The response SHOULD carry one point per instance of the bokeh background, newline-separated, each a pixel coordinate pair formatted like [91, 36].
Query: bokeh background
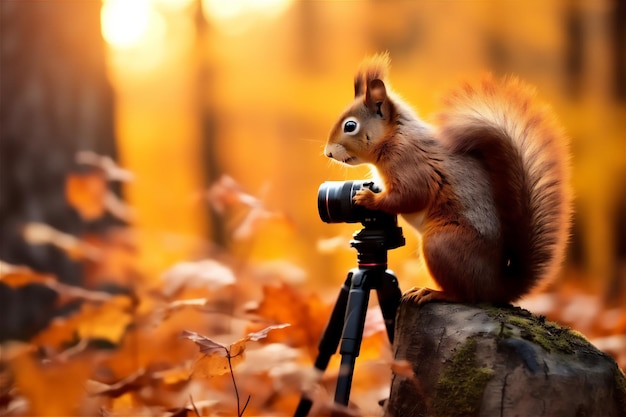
[163, 131]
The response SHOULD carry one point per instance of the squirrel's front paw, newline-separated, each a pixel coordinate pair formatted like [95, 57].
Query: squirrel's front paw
[366, 198]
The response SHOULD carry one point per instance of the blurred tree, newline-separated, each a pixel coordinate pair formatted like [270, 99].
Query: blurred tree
[618, 26]
[616, 289]
[574, 57]
[55, 100]
[595, 70]
[204, 79]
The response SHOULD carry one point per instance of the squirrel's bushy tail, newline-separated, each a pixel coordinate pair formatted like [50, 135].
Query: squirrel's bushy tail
[501, 122]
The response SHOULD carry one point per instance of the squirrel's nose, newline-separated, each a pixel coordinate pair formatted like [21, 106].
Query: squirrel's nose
[329, 154]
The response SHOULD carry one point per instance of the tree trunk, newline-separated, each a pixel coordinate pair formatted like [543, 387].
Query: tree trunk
[55, 100]
[484, 360]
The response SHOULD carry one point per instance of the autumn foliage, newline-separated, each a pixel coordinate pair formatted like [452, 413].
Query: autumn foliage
[217, 335]
[211, 336]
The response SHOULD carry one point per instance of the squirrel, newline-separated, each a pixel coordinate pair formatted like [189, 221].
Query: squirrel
[486, 187]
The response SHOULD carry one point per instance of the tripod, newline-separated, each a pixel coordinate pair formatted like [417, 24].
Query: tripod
[348, 316]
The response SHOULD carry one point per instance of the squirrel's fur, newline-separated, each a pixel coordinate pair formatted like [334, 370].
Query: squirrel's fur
[487, 187]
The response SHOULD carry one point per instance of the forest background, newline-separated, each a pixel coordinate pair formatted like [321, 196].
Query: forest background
[160, 161]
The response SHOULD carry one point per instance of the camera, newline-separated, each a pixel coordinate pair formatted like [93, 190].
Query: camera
[335, 204]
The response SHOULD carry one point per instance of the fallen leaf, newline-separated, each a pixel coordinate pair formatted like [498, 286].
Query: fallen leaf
[207, 346]
[207, 273]
[132, 382]
[12, 349]
[52, 388]
[226, 192]
[249, 225]
[217, 358]
[60, 332]
[106, 321]
[106, 164]
[86, 192]
[333, 244]
[40, 234]
[173, 375]
[18, 276]
[261, 334]
[118, 208]
[307, 314]
[216, 364]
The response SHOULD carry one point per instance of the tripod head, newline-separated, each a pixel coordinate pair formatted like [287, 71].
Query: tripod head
[380, 230]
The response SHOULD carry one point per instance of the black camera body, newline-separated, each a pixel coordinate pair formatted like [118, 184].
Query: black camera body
[335, 204]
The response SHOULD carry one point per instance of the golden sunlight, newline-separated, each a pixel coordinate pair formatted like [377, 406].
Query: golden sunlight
[127, 23]
[229, 11]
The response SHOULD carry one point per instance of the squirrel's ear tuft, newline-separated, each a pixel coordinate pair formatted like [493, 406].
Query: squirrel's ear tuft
[372, 68]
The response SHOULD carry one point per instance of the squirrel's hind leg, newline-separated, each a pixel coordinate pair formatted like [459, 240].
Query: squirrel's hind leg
[465, 264]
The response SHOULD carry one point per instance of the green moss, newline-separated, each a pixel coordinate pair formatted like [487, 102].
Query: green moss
[460, 388]
[549, 335]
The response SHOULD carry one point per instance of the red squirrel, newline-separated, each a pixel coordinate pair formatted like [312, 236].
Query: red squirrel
[486, 187]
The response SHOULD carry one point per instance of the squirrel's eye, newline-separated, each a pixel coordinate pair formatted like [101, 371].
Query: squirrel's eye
[350, 126]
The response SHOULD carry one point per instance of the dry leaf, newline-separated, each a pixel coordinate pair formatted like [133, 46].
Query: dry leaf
[86, 192]
[52, 388]
[227, 192]
[118, 208]
[40, 234]
[279, 270]
[216, 364]
[333, 244]
[217, 358]
[295, 376]
[60, 332]
[107, 321]
[173, 375]
[17, 276]
[267, 358]
[256, 336]
[207, 346]
[132, 382]
[12, 349]
[256, 216]
[106, 164]
[307, 314]
[207, 273]
[179, 304]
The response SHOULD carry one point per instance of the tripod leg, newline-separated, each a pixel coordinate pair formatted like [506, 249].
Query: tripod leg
[389, 295]
[329, 340]
[352, 333]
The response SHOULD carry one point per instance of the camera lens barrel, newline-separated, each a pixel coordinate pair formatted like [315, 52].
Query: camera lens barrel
[380, 232]
[335, 205]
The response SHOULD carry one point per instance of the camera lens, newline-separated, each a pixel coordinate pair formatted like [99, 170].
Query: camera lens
[334, 201]
[335, 205]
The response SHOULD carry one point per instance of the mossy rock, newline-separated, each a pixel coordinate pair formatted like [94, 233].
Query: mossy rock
[485, 360]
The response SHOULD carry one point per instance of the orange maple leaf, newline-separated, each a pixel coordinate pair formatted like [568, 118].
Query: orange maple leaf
[307, 314]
